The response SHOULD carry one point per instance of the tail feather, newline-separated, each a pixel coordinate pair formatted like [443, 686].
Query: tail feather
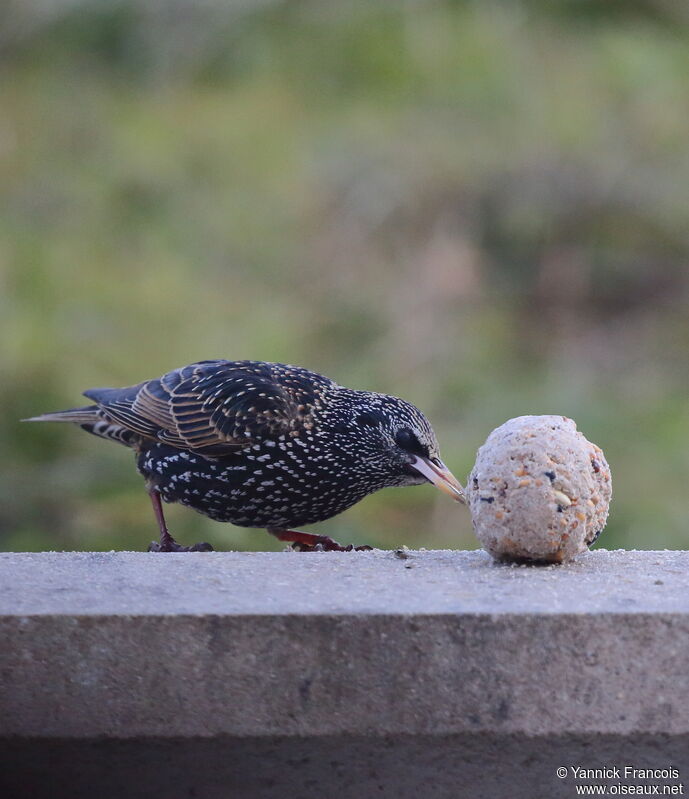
[90, 419]
[86, 415]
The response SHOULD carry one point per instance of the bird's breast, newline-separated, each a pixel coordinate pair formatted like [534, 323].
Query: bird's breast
[284, 483]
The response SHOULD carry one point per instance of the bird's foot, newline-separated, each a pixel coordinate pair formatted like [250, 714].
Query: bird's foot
[328, 546]
[167, 543]
[309, 542]
[173, 546]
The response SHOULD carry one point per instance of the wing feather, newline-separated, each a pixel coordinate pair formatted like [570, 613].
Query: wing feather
[216, 407]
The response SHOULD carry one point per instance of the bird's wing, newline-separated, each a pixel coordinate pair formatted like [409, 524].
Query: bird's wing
[215, 407]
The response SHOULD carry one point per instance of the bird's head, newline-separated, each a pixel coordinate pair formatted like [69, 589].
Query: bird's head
[393, 440]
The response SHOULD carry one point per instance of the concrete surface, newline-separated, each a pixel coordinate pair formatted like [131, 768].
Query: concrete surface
[329, 674]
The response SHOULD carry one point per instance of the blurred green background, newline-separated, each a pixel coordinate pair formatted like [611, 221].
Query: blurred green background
[479, 206]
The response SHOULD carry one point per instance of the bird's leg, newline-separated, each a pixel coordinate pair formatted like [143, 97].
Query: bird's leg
[308, 542]
[167, 542]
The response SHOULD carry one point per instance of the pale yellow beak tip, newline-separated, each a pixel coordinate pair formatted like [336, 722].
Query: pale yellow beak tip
[441, 477]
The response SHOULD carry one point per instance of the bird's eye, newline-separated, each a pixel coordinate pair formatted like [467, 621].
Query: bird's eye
[407, 441]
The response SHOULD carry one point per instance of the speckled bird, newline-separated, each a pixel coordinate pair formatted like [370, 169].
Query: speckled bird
[263, 445]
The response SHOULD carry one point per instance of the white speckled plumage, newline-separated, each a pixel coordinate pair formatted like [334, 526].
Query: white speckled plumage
[262, 444]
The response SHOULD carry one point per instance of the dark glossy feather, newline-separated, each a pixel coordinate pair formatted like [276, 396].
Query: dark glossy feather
[260, 444]
[215, 407]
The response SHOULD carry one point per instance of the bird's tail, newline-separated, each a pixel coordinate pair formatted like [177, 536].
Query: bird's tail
[89, 419]
[85, 415]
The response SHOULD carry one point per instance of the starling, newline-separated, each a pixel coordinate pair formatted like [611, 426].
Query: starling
[263, 445]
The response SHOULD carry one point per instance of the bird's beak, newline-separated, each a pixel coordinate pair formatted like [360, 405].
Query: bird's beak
[440, 476]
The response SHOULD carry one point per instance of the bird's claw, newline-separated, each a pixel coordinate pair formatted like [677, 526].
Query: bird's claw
[325, 544]
[156, 546]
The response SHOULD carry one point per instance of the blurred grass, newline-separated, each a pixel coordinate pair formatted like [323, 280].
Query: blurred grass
[478, 206]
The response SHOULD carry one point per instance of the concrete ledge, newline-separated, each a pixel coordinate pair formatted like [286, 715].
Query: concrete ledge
[439, 659]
